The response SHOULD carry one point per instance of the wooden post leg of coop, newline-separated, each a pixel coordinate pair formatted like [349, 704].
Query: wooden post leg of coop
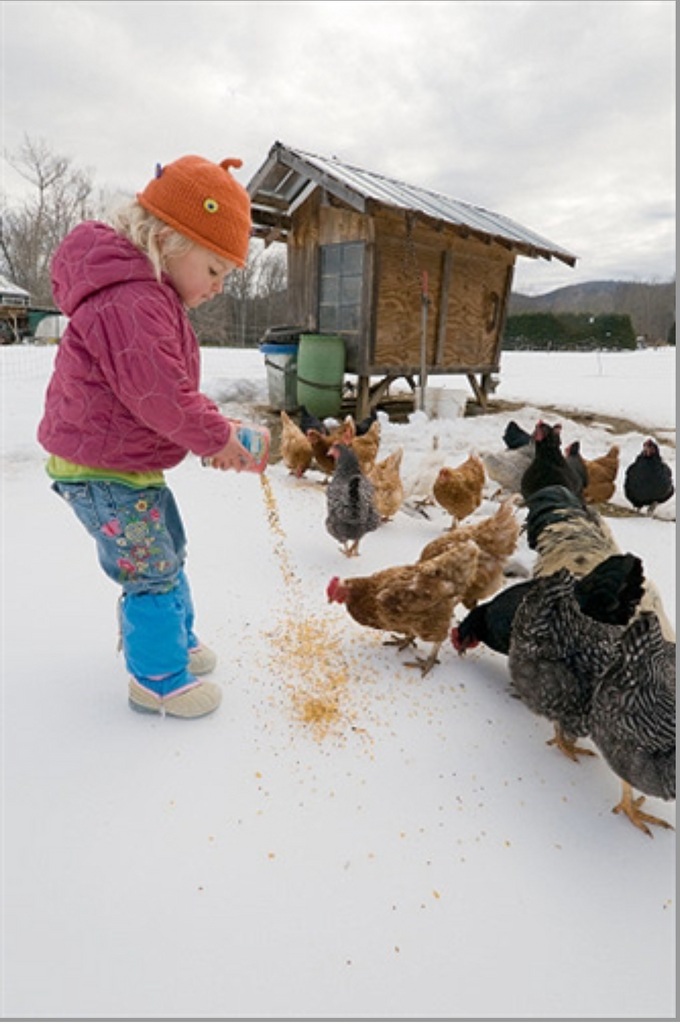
[480, 389]
[363, 405]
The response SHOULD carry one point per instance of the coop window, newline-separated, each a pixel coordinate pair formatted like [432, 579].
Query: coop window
[340, 287]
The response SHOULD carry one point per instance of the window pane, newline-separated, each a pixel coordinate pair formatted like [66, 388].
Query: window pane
[330, 259]
[330, 290]
[352, 258]
[340, 287]
[349, 319]
[350, 290]
[328, 319]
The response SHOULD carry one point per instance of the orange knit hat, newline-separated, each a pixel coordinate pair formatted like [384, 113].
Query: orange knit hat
[203, 201]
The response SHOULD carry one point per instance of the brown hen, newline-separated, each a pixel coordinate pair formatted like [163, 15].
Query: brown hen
[296, 448]
[459, 490]
[322, 443]
[411, 601]
[365, 447]
[496, 537]
[602, 475]
[389, 488]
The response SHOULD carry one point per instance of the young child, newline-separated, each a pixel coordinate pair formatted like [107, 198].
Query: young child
[123, 405]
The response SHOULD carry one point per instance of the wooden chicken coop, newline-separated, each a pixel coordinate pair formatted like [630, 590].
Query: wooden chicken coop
[415, 283]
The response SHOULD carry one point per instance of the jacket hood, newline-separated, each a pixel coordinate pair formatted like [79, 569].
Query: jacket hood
[93, 257]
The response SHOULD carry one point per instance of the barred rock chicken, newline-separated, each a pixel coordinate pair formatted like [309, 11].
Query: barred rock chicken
[496, 537]
[350, 505]
[566, 534]
[611, 592]
[632, 718]
[556, 655]
[549, 465]
[648, 481]
[459, 490]
[411, 602]
[296, 448]
[602, 473]
[389, 488]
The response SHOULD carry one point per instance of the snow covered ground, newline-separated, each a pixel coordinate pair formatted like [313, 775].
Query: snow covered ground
[416, 852]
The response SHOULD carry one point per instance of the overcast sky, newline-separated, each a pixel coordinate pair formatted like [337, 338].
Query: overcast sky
[560, 115]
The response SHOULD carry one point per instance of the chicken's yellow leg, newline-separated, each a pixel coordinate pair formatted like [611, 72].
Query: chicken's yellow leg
[568, 745]
[630, 806]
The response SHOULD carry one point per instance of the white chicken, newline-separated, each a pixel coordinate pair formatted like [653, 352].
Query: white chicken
[419, 484]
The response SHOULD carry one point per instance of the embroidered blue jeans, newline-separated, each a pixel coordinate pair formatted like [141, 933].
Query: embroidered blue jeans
[141, 545]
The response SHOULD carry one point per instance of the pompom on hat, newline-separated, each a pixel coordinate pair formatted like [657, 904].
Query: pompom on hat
[203, 201]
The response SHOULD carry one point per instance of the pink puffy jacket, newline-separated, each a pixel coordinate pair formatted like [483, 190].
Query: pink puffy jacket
[124, 392]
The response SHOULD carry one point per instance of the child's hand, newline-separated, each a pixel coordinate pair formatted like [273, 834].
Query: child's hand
[232, 456]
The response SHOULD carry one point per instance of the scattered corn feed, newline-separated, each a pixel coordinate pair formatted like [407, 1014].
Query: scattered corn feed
[310, 661]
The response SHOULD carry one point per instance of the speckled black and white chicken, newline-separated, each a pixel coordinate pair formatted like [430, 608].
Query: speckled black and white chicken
[351, 512]
[632, 718]
[556, 655]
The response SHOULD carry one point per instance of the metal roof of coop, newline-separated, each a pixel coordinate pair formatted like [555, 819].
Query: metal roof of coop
[289, 176]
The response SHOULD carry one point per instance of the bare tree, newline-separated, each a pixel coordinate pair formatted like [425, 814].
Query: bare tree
[30, 232]
[62, 196]
[254, 298]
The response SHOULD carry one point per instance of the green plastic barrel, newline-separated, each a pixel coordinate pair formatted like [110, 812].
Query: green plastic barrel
[320, 373]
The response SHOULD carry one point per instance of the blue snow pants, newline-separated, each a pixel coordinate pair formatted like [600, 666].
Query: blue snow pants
[141, 544]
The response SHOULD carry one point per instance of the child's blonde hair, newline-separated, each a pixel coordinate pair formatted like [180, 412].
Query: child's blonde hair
[149, 234]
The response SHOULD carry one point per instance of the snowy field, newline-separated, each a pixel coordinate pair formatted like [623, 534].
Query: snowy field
[417, 853]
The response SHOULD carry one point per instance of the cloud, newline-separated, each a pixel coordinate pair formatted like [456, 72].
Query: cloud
[559, 115]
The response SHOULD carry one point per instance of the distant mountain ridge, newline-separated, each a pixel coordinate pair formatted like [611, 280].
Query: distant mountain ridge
[651, 307]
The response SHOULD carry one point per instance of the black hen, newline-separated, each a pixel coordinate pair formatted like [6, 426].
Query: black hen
[548, 466]
[610, 593]
[350, 504]
[648, 481]
[311, 422]
[364, 425]
[632, 718]
[556, 655]
[515, 436]
[490, 623]
[577, 463]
